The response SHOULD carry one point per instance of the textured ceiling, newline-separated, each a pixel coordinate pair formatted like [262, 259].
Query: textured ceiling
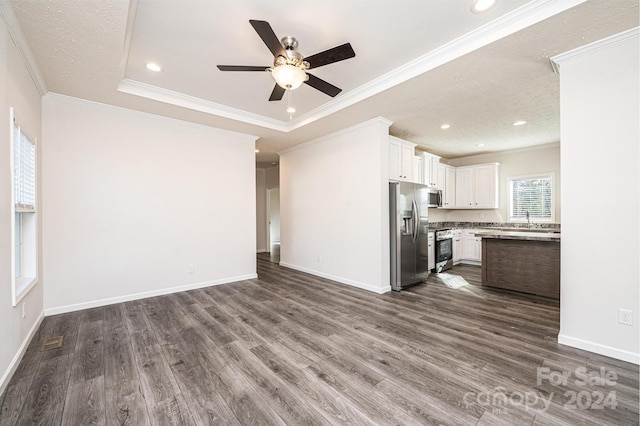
[88, 49]
[189, 38]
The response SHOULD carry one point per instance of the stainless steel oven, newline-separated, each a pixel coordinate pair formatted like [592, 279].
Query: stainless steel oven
[444, 250]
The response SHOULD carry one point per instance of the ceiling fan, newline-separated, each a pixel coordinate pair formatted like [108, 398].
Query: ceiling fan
[290, 67]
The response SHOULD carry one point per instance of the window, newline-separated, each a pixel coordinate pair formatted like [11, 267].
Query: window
[531, 196]
[24, 211]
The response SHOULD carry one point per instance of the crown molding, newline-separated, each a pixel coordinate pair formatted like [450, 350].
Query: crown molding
[16, 34]
[191, 102]
[507, 24]
[529, 14]
[131, 19]
[189, 124]
[557, 60]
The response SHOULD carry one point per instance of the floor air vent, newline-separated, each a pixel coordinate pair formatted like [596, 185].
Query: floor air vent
[53, 343]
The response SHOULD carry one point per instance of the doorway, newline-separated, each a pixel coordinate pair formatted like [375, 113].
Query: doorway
[273, 223]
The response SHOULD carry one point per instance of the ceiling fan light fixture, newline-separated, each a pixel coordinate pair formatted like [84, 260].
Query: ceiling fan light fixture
[288, 76]
[480, 6]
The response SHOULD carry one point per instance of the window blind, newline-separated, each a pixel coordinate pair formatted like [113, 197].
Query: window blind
[531, 195]
[24, 152]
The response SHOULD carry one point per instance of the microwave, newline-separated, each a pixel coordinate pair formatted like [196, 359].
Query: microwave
[434, 197]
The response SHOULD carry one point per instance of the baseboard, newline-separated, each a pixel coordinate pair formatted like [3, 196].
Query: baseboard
[341, 280]
[13, 365]
[598, 348]
[144, 295]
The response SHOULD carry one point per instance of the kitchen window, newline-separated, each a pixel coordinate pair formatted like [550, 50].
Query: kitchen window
[24, 247]
[531, 198]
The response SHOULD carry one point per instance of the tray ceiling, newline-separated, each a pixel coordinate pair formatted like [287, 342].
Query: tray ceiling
[418, 63]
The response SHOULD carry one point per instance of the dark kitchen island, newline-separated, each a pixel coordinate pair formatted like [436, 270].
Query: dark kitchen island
[527, 262]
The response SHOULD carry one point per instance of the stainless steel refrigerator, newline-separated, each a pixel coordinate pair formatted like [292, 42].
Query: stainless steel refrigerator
[408, 223]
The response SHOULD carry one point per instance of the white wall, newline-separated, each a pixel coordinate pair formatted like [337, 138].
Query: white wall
[601, 185]
[520, 162]
[133, 199]
[334, 206]
[17, 90]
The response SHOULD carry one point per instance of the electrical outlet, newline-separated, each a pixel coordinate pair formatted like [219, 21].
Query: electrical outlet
[319, 258]
[191, 269]
[625, 316]
[24, 309]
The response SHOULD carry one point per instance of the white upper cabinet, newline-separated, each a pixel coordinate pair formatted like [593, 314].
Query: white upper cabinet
[464, 187]
[477, 187]
[486, 186]
[418, 169]
[401, 159]
[447, 183]
[430, 165]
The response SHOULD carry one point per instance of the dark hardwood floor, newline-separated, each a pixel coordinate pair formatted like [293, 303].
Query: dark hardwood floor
[291, 348]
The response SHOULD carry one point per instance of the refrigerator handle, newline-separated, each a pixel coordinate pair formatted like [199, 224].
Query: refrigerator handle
[416, 220]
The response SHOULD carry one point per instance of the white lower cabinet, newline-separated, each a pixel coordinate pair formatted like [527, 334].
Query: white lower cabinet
[457, 246]
[431, 250]
[471, 246]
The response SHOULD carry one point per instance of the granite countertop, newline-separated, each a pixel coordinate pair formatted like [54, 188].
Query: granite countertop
[519, 235]
[496, 226]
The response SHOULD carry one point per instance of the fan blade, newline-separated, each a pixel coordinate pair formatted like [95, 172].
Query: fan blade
[323, 86]
[267, 35]
[241, 68]
[336, 54]
[277, 94]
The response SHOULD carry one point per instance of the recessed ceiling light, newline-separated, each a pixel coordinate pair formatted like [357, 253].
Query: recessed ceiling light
[274, 164]
[257, 151]
[479, 6]
[291, 110]
[519, 123]
[445, 126]
[479, 144]
[153, 67]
